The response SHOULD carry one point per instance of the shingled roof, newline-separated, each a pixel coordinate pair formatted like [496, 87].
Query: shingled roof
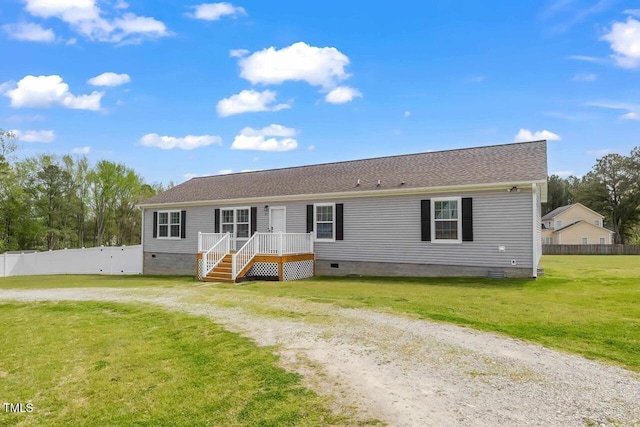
[518, 162]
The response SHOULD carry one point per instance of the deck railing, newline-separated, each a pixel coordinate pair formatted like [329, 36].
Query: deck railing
[215, 246]
[207, 240]
[271, 244]
[244, 255]
[213, 256]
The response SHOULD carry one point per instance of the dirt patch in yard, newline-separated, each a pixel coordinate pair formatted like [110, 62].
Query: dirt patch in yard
[404, 371]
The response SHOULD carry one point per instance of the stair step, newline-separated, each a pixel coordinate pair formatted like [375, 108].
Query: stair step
[217, 279]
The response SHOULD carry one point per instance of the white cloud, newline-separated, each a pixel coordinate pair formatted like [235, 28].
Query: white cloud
[563, 174]
[50, 91]
[188, 142]
[311, 147]
[34, 135]
[81, 150]
[632, 12]
[109, 79]
[225, 171]
[238, 53]
[632, 110]
[215, 11]
[318, 66]
[407, 113]
[624, 39]
[271, 138]
[249, 101]
[342, 94]
[29, 32]
[585, 58]
[585, 77]
[527, 135]
[86, 18]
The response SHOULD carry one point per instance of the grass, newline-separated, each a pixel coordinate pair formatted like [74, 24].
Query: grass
[93, 281]
[96, 364]
[588, 305]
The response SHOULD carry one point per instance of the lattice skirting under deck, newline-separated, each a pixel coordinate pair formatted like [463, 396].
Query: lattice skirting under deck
[263, 269]
[297, 270]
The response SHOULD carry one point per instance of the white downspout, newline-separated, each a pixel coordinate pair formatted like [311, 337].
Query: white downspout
[142, 238]
[536, 239]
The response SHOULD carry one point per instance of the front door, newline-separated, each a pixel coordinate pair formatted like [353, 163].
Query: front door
[277, 219]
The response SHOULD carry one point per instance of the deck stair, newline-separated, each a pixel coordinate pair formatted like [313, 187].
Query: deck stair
[222, 272]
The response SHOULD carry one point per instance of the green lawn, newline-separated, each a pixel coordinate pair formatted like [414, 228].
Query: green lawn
[589, 305]
[99, 364]
[93, 281]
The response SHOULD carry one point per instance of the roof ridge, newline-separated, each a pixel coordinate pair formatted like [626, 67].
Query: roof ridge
[373, 158]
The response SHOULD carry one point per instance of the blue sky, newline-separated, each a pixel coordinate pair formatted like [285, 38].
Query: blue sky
[180, 89]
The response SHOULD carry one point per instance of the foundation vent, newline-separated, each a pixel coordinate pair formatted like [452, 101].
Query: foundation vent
[495, 274]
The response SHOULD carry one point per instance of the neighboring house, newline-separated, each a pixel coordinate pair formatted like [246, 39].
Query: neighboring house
[575, 224]
[465, 212]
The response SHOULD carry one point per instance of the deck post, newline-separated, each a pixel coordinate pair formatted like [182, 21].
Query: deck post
[280, 244]
[199, 241]
[311, 242]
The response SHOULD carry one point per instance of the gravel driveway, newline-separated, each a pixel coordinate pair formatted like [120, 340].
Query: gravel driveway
[400, 370]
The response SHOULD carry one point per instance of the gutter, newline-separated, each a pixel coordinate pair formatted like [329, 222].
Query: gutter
[347, 194]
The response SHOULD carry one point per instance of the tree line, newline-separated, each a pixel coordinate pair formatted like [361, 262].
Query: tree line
[611, 188]
[55, 202]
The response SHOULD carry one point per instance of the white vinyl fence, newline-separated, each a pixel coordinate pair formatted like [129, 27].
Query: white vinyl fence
[102, 260]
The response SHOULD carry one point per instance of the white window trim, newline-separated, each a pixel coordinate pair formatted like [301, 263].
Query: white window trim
[235, 222]
[169, 237]
[585, 241]
[433, 219]
[596, 222]
[315, 223]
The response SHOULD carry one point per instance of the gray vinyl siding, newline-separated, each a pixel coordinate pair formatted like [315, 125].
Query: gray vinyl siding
[198, 219]
[387, 229]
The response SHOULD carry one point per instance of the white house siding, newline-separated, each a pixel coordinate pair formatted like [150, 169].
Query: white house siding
[387, 229]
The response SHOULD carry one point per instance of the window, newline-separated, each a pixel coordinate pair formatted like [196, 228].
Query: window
[584, 240]
[558, 224]
[549, 241]
[235, 220]
[596, 222]
[324, 221]
[169, 224]
[602, 241]
[446, 220]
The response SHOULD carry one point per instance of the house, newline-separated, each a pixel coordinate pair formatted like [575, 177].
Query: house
[574, 224]
[463, 212]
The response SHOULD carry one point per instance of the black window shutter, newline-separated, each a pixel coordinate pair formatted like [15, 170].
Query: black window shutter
[155, 225]
[467, 219]
[254, 220]
[216, 221]
[309, 218]
[425, 220]
[339, 221]
[183, 224]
